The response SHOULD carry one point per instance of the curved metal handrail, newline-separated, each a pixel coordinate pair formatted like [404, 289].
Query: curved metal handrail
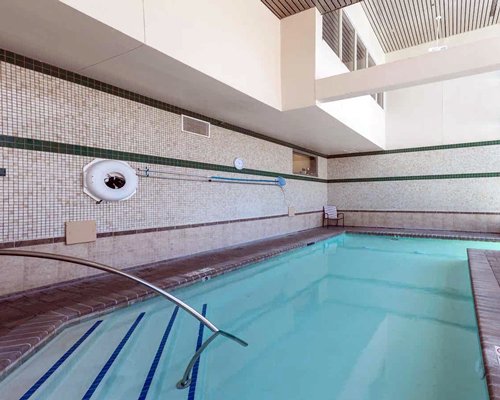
[185, 381]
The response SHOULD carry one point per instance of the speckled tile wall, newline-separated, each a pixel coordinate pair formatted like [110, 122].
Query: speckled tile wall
[474, 159]
[421, 189]
[43, 189]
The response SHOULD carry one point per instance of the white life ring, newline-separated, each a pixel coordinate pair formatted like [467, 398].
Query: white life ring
[109, 180]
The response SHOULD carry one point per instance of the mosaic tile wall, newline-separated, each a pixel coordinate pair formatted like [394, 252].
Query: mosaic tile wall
[42, 189]
[51, 127]
[454, 188]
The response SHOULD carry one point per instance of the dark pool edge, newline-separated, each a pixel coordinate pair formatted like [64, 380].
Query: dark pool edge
[486, 294]
[426, 233]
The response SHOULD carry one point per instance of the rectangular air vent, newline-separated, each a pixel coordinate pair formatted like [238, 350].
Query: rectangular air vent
[196, 126]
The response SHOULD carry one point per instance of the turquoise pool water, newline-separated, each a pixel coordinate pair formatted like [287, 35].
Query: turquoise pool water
[351, 318]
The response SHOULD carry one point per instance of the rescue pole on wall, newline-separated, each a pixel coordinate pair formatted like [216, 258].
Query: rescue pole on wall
[149, 173]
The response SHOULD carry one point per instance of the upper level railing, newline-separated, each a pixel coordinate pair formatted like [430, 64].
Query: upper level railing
[186, 379]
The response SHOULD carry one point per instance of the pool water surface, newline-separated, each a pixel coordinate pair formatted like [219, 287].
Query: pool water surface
[355, 317]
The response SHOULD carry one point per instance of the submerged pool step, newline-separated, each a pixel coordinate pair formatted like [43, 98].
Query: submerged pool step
[199, 342]
[156, 360]
[102, 373]
[59, 362]
[116, 358]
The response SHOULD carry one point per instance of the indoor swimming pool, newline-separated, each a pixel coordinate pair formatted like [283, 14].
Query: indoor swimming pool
[355, 317]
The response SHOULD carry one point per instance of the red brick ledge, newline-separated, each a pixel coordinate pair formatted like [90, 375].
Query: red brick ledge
[484, 267]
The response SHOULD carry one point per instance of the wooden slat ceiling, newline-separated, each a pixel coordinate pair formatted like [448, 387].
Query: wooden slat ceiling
[285, 8]
[400, 24]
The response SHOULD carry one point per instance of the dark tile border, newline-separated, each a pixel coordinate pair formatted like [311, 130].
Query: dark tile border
[34, 242]
[39, 315]
[472, 175]
[486, 292]
[15, 142]
[47, 69]
[382, 231]
[418, 149]
[21, 143]
[422, 212]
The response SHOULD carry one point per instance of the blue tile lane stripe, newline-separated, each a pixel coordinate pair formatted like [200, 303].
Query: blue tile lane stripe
[58, 363]
[156, 360]
[194, 376]
[111, 359]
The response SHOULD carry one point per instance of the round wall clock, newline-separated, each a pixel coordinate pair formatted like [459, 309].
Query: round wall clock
[239, 163]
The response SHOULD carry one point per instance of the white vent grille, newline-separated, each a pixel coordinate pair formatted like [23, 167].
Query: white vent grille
[196, 126]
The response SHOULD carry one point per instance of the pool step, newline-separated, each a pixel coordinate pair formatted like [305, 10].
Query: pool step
[117, 358]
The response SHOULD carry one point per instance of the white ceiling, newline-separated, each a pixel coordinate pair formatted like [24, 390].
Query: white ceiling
[57, 34]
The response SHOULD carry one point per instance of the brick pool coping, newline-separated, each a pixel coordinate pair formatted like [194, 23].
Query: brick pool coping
[30, 319]
[484, 266]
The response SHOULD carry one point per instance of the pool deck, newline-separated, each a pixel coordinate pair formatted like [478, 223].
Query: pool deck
[30, 319]
[484, 268]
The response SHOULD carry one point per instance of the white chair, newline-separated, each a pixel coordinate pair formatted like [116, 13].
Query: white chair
[330, 213]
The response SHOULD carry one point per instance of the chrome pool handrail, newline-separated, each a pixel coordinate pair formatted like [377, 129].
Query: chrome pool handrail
[92, 264]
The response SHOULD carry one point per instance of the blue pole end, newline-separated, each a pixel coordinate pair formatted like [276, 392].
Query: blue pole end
[280, 181]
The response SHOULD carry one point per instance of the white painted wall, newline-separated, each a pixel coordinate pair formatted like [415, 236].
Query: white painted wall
[362, 114]
[372, 125]
[452, 41]
[297, 60]
[129, 19]
[234, 41]
[455, 111]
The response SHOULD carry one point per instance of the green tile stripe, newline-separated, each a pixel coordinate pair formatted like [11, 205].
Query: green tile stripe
[417, 149]
[78, 150]
[419, 177]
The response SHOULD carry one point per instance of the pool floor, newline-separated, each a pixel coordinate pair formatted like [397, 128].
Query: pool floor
[354, 317]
